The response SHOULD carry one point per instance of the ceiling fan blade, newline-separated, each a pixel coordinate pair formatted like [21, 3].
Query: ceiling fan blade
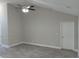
[31, 6]
[32, 9]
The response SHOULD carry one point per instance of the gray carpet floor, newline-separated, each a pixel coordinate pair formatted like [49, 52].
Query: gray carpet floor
[31, 51]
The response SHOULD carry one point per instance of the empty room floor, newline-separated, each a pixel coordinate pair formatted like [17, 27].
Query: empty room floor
[31, 51]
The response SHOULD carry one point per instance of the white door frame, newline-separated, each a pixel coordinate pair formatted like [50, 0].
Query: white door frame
[61, 40]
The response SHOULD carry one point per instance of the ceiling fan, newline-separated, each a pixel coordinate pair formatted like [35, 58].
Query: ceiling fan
[26, 9]
[31, 7]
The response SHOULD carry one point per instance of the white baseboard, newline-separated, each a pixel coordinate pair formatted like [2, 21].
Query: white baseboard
[43, 45]
[12, 45]
[36, 44]
[49, 46]
[5, 46]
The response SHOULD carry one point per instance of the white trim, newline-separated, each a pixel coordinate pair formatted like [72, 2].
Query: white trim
[43, 45]
[61, 34]
[15, 44]
[5, 46]
[12, 45]
[36, 44]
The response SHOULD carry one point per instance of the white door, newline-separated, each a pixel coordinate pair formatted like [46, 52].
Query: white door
[67, 35]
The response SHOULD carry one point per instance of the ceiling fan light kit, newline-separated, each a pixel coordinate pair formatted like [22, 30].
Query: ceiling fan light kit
[26, 9]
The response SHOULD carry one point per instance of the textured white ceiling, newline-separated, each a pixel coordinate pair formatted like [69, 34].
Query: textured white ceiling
[66, 6]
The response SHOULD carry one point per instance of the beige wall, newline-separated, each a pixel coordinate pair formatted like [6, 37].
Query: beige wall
[0, 20]
[43, 26]
[14, 25]
[78, 35]
[11, 27]
[4, 24]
